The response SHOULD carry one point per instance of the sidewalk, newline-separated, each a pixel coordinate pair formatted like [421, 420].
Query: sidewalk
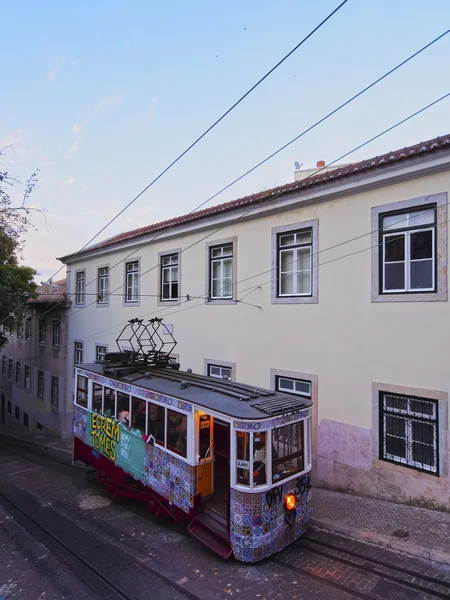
[427, 532]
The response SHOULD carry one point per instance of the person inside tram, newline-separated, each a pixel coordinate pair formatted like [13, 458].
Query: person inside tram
[123, 412]
[176, 432]
[138, 420]
[156, 422]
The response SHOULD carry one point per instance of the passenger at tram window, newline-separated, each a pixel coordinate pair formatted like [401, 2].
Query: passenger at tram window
[176, 432]
[109, 406]
[156, 420]
[97, 398]
[124, 410]
[138, 414]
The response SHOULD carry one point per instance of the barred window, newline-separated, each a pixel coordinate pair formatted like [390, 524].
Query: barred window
[409, 431]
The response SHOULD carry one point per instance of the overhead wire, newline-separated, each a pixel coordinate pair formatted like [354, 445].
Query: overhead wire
[197, 140]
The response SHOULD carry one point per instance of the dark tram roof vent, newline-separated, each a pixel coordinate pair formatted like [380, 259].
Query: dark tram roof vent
[189, 371]
[184, 384]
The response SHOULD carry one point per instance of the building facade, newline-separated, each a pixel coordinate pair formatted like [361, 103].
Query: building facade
[33, 382]
[334, 287]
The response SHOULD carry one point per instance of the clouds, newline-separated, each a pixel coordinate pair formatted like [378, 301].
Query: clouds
[66, 182]
[51, 75]
[111, 102]
[76, 130]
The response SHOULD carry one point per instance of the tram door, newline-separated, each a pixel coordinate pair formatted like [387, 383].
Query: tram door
[205, 469]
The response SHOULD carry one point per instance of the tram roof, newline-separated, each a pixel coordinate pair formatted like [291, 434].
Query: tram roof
[230, 398]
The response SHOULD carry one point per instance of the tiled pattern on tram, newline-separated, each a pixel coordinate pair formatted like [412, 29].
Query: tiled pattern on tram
[79, 423]
[260, 525]
[170, 477]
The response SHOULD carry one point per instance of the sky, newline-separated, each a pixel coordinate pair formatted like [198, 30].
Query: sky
[101, 96]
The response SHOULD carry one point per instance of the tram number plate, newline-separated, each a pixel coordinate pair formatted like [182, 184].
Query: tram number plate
[243, 464]
[204, 424]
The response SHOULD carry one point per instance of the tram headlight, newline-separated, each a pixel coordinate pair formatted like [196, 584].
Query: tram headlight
[290, 501]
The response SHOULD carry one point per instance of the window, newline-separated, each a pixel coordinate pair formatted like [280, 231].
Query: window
[220, 372]
[103, 285]
[100, 352]
[287, 451]
[56, 333]
[132, 281]
[9, 407]
[78, 353]
[40, 385]
[55, 391]
[10, 368]
[409, 431]
[295, 263]
[221, 272]
[19, 330]
[17, 412]
[18, 372]
[26, 377]
[3, 365]
[138, 415]
[41, 331]
[80, 287]
[299, 387]
[28, 330]
[176, 432]
[156, 422]
[251, 458]
[169, 277]
[408, 251]
[82, 391]
[25, 419]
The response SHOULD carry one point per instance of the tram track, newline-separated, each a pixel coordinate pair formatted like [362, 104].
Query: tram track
[363, 577]
[105, 569]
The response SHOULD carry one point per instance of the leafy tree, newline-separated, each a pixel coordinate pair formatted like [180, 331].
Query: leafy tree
[16, 281]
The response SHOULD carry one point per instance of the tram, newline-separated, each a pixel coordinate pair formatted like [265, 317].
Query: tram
[230, 460]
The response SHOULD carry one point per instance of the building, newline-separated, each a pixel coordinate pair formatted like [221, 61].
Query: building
[33, 383]
[334, 287]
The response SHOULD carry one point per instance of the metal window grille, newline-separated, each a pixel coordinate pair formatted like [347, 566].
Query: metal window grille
[79, 289]
[409, 431]
[132, 281]
[408, 251]
[169, 277]
[56, 333]
[78, 353]
[41, 331]
[295, 263]
[55, 391]
[103, 285]
[40, 390]
[221, 270]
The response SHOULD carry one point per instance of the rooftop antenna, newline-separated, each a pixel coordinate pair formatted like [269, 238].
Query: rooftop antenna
[298, 166]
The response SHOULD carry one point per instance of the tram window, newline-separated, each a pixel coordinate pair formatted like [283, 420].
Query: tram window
[82, 391]
[243, 458]
[287, 451]
[156, 422]
[123, 408]
[97, 398]
[109, 407]
[176, 432]
[259, 458]
[138, 414]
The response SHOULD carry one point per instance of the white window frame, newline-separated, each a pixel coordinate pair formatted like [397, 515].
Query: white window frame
[103, 286]
[80, 287]
[56, 333]
[131, 278]
[405, 231]
[100, 351]
[298, 298]
[78, 351]
[55, 396]
[214, 245]
[40, 384]
[223, 256]
[295, 249]
[169, 268]
[220, 374]
[280, 388]
[440, 291]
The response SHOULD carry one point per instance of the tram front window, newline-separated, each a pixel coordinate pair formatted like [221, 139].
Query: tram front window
[287, 451]
[138, 414]
[176, 432]
[243, 458]
[82, 391]
[259, 458]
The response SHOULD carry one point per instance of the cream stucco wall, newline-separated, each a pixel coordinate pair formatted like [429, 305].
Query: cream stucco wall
[344, 339]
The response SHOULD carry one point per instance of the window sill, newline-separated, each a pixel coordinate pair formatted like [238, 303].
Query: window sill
[295, 300]
[406, 470]
[411, 297]
[220, 301]
[174, 302]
